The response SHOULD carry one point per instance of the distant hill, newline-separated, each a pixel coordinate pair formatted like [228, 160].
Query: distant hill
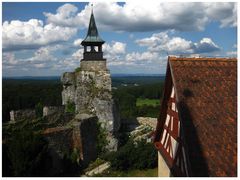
[136, 80]
[136, 75]
[117, 79]
[33, 77]
[58, 77]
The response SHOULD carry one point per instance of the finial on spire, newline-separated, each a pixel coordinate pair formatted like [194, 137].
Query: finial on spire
[92, 7]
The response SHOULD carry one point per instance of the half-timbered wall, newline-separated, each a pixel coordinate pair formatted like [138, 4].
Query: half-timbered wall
[169, 145]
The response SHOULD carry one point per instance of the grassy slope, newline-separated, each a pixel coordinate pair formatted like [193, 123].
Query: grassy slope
[131, 173]
[148, 102]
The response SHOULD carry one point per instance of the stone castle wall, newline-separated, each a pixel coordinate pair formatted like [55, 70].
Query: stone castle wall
[50, 110]
[24, 114]
[80, 136]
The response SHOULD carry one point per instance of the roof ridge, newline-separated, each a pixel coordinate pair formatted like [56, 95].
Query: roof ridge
[173, 58]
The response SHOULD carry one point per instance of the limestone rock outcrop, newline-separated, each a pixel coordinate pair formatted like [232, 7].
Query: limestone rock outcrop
[74, 137]
[90, 92]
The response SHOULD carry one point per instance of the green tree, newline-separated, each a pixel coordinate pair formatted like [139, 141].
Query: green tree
[39, 110]
[70, 107]
[101, 139]
[26, 151]
[140, 155]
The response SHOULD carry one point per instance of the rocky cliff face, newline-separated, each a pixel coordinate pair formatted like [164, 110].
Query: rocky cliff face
[73, 137]
[90, 91]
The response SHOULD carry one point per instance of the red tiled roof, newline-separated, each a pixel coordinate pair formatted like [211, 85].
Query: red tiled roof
[206, 90]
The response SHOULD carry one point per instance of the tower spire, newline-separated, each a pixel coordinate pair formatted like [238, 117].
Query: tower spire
[92, 34]
[92, 40]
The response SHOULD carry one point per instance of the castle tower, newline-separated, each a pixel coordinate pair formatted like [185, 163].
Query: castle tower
[90, 87]
[93, 56]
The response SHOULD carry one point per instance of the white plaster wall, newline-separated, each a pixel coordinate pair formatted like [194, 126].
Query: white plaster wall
[163, 170]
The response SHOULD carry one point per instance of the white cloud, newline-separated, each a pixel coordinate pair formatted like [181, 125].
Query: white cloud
[43, 55]
[77, 43]
[114, 48]
[232, 53]
[9, 59]
[147, 16]
[206, 45]
[131, 16]
[78, 54]
[66, 15]
[224, 12]
[41, 58]
[145, 56]
[163, 43]
[60, 27]
[42, 62]
[17, 35]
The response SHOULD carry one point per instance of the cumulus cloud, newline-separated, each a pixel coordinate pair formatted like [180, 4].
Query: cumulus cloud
[118, 59]
[66, 15]
[162, 42]
[225, 13]
[114, 48]
[41, 58]
[206, 45]
[145, 16]
[77, 42]
[78, 54]
[18, 35]
[130, 16]
[46, 37]
[145, 56]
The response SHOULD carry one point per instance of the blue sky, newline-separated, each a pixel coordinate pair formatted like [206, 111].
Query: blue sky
[43, 39]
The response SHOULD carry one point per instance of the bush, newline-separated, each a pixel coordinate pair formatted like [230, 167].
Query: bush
[134, 156]
[70, 107]
[26, 152]
[126, 103]
[39, 110]
[148, 111]
[71, 164]
[101, 139]
[78, 69]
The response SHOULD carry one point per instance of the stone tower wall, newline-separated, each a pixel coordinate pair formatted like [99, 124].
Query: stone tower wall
[94, 65]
